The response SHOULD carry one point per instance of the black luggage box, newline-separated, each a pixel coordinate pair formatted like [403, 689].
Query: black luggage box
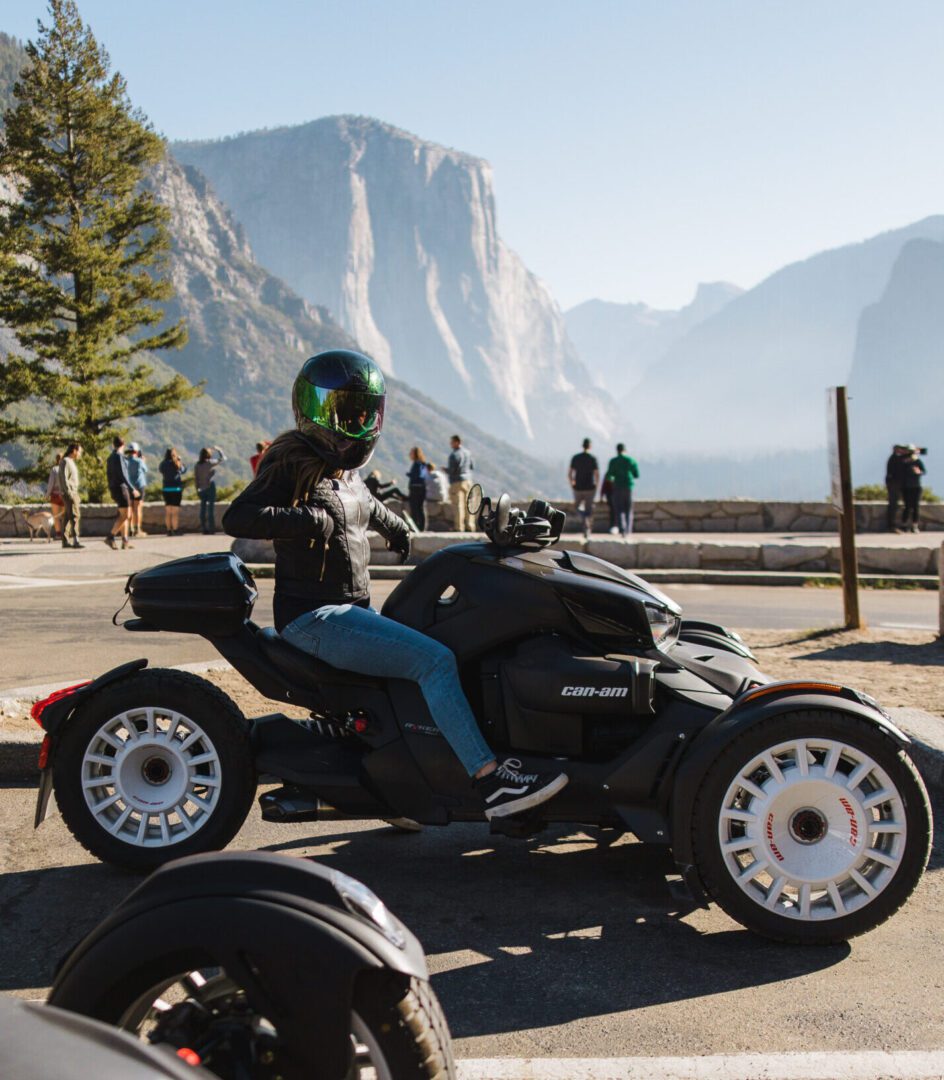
[205, 594]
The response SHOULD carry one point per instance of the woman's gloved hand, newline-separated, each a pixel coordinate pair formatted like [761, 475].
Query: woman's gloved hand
[323, 522]
[401, 545]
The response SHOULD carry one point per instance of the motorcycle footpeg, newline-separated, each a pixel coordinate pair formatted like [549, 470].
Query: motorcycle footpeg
[287, 804]
[517, 826]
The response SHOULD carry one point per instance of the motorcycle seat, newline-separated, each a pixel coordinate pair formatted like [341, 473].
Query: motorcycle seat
[301, 667]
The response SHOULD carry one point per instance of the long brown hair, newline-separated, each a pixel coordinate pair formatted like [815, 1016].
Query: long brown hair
[417, 454]
[291, 450]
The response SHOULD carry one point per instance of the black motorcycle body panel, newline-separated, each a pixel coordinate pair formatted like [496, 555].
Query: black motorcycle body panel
[276, 924]
[39, 1042]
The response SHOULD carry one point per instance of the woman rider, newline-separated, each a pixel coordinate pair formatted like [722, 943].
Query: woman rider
[309, 498]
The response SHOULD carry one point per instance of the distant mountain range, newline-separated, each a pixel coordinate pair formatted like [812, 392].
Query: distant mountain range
[619, 343]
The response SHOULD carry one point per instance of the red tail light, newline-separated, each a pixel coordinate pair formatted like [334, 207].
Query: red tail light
[57, 695]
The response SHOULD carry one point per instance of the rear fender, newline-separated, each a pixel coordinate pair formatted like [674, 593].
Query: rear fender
[277, 924]
[55, 714]
[743, 714]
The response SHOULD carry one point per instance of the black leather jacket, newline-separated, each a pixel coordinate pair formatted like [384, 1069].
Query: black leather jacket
[321, 547]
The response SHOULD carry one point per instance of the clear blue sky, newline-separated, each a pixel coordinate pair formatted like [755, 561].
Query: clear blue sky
[638, 147]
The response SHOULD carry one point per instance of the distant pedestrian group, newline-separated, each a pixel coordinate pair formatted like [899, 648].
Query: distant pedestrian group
[428, 484]
[903, 472]
[622, 472]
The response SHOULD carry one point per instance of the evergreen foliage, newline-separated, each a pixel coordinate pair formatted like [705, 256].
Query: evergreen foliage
[12, 60]
[82, 249]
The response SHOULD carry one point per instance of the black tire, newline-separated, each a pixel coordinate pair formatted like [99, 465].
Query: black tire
[407, 1023]
[785, 922]
[398, 1019]
[225, 732]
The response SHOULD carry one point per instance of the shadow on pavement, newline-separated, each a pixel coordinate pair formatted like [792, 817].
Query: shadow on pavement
[555, 929]
[929, 653]
[520, 935]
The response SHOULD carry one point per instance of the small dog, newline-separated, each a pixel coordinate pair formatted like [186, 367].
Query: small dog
[38, 522]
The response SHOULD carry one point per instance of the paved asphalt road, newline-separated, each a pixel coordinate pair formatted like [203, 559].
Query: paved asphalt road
[547, 948]
[52, 634]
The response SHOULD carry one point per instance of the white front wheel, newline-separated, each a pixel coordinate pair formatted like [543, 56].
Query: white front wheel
[812, 827]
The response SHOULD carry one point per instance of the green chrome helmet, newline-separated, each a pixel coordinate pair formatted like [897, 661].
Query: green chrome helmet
[338, 400]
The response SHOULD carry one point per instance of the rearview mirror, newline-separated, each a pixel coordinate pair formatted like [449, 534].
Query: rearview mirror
[473, 501]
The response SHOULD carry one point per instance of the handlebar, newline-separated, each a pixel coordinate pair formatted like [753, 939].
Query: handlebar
[507, 526]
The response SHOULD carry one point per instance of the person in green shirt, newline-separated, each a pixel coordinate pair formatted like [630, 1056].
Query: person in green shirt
[622, 472]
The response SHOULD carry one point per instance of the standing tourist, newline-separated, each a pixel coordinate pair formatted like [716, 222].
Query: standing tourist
[138, 471]
[122, 491]
[417, 477]
[69, 487]
[912, 469]
[203, 473]
[894, 474]
[584, 477]
[437, 486]
[261, 448]
[622, 472]
[172, 472]
[54, 495]
[459, 468]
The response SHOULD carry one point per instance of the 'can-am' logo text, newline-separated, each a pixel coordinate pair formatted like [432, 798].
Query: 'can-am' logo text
[595, 691]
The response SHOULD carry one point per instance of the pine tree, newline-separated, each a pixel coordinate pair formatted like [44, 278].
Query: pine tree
[82, 249]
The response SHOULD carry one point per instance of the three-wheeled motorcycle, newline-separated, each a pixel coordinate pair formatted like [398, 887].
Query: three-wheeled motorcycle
[793, 805]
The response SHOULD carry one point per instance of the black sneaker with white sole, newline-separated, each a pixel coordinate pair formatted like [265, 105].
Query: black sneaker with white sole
[508, 790]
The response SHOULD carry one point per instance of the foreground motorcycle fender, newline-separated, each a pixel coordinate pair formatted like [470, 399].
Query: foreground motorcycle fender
[283, 927]
[774, 700]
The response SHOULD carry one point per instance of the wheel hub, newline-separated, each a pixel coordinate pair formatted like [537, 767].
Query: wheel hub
[808, 826]
[156, 770]
[151, 777]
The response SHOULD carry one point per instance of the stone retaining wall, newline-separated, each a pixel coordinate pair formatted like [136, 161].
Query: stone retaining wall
[650, 516]
[692, 554]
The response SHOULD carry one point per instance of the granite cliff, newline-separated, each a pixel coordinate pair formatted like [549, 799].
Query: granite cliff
[398, 238]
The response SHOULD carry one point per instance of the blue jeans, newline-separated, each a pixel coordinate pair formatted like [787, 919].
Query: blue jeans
[360, 639]
[623, 509]
[207, 505]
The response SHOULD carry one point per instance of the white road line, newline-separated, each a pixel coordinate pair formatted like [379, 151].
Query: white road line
[865, 1065]
[13, 581]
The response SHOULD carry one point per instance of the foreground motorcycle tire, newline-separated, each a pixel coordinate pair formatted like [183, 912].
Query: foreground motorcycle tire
[398, 1030]
[154, 767]
[812, 827]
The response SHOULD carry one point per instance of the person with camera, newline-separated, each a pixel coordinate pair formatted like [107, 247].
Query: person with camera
[911, 470]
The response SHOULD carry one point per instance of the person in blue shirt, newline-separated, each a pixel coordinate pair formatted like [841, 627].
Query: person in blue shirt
[417, 478]
[138, 472]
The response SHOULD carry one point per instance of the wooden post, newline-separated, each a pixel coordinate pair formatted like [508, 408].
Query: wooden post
[940, 570]
[842, 499]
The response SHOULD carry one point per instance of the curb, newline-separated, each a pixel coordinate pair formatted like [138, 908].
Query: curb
[261, 571]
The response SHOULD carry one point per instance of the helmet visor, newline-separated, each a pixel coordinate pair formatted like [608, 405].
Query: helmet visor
[353, 413]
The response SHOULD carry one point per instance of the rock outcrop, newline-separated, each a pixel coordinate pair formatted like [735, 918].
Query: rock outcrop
[897, 384]
[398, 238]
